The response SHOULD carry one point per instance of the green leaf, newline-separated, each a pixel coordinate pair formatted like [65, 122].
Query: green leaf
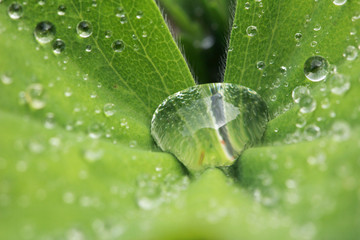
[71, 170]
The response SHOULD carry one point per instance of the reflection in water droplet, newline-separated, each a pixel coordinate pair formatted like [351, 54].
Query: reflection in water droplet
[260, 65]
[15, 11]
[339, 2]
[44, 32]
[316, 68]
[118, 46]
[209, 125]
[251, 31]
[58, 46]
[34, 96]
[298, 36]
[61, 10]
[84, 29]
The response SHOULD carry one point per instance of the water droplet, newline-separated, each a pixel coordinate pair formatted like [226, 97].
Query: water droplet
[209, 125]
[350, 53]
[109, 109]
[339, 2]
[93, 154]
[34, 96]
[139, 14]
[298, 36]
[108, 34]
[339, 84]
[311, 132]
[95, 131]
[84, 29]
[118, 46]
[49, 121]
[15, 11]
[316, 68]
[247, 5]
[58, 46]
[61, 10]
[88, 48]
[6, 80]
[298, 92]
[317, 27]
[251, 31]
[260, 65]
[41, 2]
[341, 131]
[307, 104]
[313, 43]
[44, 32]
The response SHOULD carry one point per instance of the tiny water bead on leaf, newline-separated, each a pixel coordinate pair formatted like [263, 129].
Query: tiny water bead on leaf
[209, 125]
[84, 29]
[34, 96]
[339, 2]
[58, 46]
[316, 68]
[44, 32]
[251, 31]
[118, 46]
[15, 11]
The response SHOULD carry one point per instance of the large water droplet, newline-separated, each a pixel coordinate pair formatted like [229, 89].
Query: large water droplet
[209, 125]
[15, 11]
[44, 32]
[84, 29]
[316, 68]
[118, 46]
[251, 31]
[58, 46]
[34, 96]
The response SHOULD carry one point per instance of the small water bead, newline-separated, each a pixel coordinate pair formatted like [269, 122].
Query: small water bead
[339, 2]
[84, 29]
[61, 10]
[341, 131]
[311, 132]
[298, 36]
[299, 92]
[41, 2]
[6, 80]
[307, 104]
[88, 48]
[95, 131]
[118, 46]
[108, 34]
[313, 43]
[58, 46]
[15, 11]
[317, 27]
[350, 53]
[139, 14]
[316, 68]
[339, 84]
[109, 109]
[209, 125]
[247, 5]
[260, 65]
[34, 96]
[251, 31]
[44, 32]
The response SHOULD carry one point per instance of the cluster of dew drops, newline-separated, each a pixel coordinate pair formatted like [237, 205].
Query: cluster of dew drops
[318, 70]
[45, 33]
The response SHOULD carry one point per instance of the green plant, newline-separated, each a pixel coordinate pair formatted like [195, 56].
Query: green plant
[77, 159]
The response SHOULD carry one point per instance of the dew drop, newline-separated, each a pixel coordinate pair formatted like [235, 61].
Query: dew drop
[247, 6]
[298, 36]
[339, 2]
[109, 109]
[44, 32]
[341, 131]
[251, 31]
[209, 125]
[6, 80]
[350, 53]
[108, 34]
[95, 131]
[339, 84]
[317, 27]
[311, 132]
[34, 96]
[299, 92]
[61, 10]
[15, 11]
[307, 104]
[58, 46]
[316, 68]
[139, 14]
[118, 46]
[260, 65]
[88, 48]
[84, 29]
